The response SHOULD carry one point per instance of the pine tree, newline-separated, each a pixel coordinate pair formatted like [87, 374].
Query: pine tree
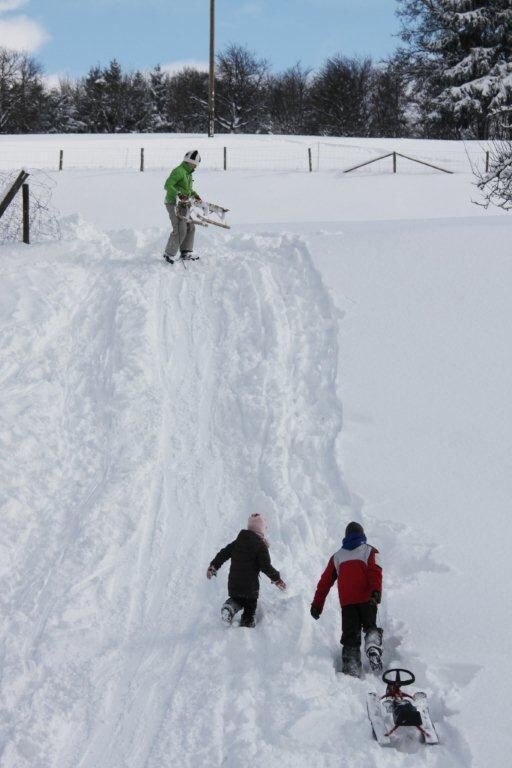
[139, 108]
[91, 101]
[159, 95]
[104, 103]
[62, 113]
[459, 55]
[117, 105]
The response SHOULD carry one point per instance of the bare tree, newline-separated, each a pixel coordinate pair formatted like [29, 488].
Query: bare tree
[496, 182]
[22, 95]
[341, 97]
[242, 91]
[289, 100]
[388, 112]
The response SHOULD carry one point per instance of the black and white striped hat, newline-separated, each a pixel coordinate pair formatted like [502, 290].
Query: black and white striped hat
[193, 157]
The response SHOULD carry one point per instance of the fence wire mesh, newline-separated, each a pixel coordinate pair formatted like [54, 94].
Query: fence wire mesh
[267, 153]
[44, 225]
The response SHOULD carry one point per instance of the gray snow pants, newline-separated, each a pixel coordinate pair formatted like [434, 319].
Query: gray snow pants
[182, 235]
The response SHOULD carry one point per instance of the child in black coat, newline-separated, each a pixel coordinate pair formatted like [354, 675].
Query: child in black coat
[249, 555]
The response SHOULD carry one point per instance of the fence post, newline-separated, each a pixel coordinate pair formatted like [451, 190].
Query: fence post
[394, 162]
[142, 159]
[310, 159]
[61, 159]
[26, 213]
[225, 158]
[487, 161]
[13, 191]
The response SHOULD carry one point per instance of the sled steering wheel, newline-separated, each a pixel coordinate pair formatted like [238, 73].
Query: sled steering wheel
[399, 680]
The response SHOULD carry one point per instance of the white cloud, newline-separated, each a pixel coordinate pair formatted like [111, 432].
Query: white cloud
[177, 66]
[54, 79]
[22, 34]
[11, 5]
[19, 33]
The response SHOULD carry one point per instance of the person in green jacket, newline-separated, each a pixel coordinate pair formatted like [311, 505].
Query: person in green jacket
[179, 188]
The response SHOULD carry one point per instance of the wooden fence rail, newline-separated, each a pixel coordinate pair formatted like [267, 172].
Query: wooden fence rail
[394, 155]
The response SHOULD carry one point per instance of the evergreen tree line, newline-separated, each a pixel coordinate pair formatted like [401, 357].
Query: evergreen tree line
[450, 78]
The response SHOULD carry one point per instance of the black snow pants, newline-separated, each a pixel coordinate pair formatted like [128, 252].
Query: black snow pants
[248, 604]
[353, 619]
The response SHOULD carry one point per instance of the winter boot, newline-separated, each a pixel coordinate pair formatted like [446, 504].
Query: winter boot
[247, 621]
[229, 610]
[168, 258]
[189, 256]
[375, 659]
[373, 648]
[351, 661]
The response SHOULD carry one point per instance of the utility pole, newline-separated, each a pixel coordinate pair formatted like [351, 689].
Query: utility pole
[211, 86]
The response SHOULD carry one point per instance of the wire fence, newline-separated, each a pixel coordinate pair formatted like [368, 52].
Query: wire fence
[267, 155]
[28, 215]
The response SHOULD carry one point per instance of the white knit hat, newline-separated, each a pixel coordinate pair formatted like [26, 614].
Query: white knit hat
[257, 523]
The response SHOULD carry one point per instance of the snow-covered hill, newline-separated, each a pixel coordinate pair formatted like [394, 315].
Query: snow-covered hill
[147, 410]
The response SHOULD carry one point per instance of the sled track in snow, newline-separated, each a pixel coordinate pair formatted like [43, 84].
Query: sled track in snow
[179, 403]
[247, 355]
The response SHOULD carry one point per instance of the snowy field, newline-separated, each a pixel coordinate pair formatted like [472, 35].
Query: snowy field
[343, 353]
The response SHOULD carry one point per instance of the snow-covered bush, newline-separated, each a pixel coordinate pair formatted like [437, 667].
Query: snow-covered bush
[496, 182]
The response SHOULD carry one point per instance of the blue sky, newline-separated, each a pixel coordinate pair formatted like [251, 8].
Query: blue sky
[68, 36]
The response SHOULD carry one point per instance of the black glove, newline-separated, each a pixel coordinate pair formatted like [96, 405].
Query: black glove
[212, 571]
[315, 611]
[375, 598]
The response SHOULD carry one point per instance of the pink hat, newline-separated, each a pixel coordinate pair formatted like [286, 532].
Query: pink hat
[257, 524]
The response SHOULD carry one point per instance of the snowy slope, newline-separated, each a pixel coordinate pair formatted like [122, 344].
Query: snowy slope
[147, 413]
[154, 414]
[426, 364]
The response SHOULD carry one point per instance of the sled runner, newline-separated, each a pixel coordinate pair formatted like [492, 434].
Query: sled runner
[396, 709]
[202, 213]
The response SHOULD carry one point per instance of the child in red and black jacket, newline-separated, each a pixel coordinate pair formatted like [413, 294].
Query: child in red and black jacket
[354, 566]
[249, 555]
